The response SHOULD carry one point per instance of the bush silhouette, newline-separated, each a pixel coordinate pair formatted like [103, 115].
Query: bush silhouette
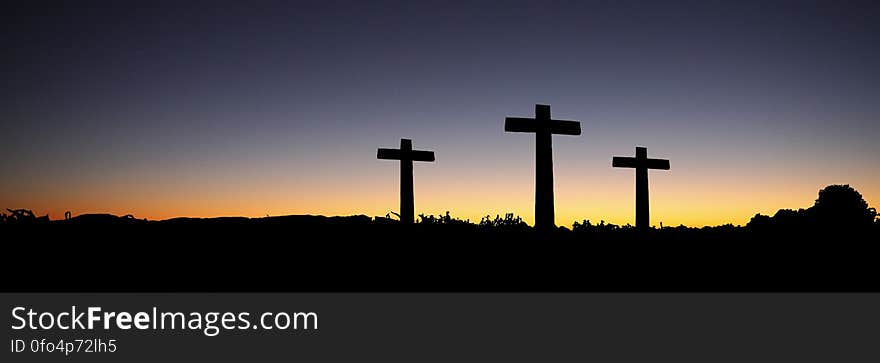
[838, 209]
[443, 219]
[587, 226]
[842, 206]
[509, 220]
[22, 216]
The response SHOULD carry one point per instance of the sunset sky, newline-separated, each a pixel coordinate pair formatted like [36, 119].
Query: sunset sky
[270, 108]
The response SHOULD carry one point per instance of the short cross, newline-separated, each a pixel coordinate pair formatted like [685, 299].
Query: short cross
[641, 163]
[406, 155]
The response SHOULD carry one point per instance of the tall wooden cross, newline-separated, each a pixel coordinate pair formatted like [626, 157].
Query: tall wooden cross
[641, 163]
[406, 155]
[543, 127]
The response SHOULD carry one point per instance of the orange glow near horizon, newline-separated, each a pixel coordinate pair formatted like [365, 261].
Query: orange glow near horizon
[676, 197]
[707, 185]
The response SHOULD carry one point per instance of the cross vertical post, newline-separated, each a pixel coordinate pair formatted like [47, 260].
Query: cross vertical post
[643, 219]
[544, 202]
[407, 201]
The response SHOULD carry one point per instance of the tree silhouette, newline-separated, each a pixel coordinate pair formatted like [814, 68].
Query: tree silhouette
[842, 206]
[22, 216]
[839, 209]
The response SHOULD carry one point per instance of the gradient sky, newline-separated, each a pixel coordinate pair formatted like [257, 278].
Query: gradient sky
[255, 108]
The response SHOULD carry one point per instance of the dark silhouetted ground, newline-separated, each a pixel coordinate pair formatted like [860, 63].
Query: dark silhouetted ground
[832, 246]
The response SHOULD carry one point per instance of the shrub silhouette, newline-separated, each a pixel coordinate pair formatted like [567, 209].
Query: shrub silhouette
[838, 209]
[842, 206]
[509, 221]
[587, 226]
[22, 216]
[443, 219]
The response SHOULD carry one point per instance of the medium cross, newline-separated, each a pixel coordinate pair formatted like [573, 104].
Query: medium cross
[543, 127]
[406, 155]
[641, 163]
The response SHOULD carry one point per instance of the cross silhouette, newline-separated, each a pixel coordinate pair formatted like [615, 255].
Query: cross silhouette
[543, 127]
[641, 163]
[406, 155]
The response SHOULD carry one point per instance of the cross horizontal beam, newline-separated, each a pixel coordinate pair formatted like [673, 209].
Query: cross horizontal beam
[629, 162]
[397, 154]
[558, 127]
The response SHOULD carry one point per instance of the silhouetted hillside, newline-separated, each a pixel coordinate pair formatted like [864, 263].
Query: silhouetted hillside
[829, 246]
